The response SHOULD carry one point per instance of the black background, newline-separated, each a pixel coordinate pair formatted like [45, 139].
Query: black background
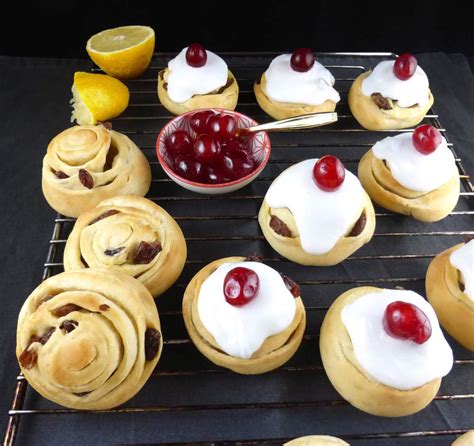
[61, 29]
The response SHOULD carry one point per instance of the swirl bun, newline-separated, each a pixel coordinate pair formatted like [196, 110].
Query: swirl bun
[87, 164]
[88, 339]
[132, 235]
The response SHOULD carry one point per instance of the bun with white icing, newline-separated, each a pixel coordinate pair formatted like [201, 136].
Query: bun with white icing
[401, 178]
[284, 92]
[309, 225]
[375, 359]
[380, 100]
[450, 289]
[316, 440]
[197, 79]
[256, 334]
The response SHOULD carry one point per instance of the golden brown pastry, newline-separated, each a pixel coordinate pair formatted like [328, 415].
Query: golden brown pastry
[201, 80]
[466, 439]
[251, 337]
[373, 367]
[316, 440]
[89, 339]
[449, 291]
[330, 225]
[380, 100]
[87, 164]
[402, 180]
[129, 234]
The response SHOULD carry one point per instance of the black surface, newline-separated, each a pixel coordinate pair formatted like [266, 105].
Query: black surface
[34, 107]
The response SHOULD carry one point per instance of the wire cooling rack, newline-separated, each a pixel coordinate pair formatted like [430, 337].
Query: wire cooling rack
[188, 400]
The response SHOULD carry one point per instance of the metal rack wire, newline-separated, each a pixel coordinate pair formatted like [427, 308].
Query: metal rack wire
[232, 228]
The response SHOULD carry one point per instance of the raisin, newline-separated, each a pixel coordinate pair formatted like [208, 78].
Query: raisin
[86, 179]
[69, 325]
[114, 252]
[106, 124]
[103, 307]
[152, 343]
[461, 286]
[292, 286]
[66, 309]
[380, 101]
[45, 299]
[146, 252]
[279, 227]
[82, 393]
[104, 215]
[254, 258]
[28, 359]
[358, 226]
[46, 335]
[60, 175]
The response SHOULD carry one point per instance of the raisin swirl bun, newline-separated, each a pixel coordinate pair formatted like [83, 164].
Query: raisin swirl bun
[316, 440]
[89, 339]
[87, 164]
[252, 338]
[129, 234]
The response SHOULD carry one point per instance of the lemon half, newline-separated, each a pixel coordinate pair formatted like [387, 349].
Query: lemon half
[97, 97]
[123, 52]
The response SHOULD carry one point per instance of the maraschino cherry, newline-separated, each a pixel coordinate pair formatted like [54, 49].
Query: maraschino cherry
[222, 126]
[179, 143]
[206, 148]
[405, 66]
[329, 173]
[240, 286]
[302, 60]
[403, 320]
[199, 121]
[426, 139]
[196, 55]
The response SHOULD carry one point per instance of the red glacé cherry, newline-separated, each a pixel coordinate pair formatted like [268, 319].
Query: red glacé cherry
[206, 148]
[329, 173]
[240, 286]
[190, 168]
[199, 121]
[222, 126]
[405, 66]
[302, 60]
[179, 143]
[403, 320]
[426, 138]
[196, 55]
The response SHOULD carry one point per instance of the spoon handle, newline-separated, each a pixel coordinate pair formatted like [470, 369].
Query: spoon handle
[297, 123]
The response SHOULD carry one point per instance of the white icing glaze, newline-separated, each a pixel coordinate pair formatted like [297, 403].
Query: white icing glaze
[240, 331]
[185, 81]
[463, 260]
[398, 363]
[409, 92]
[312, 87]
[322, 218]
[412, 169]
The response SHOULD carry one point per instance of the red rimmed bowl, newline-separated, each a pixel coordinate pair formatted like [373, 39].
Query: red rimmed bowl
[258, 145]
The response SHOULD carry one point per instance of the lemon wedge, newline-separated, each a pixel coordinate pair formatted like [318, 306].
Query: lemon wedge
[97, 97]
[123, 52]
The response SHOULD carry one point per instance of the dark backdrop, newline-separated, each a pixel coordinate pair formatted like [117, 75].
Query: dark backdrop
[62, 28]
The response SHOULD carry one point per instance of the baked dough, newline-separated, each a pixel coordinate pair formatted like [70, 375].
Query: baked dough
[370, 116]
[225, 97]
[350, 380]
[454, 309]
[89, 339]
[316, 440]
[379, 183]
[284, 110]
[113, 162]
[290, 247]
[112, 242]
[276, 349]
[466, 439]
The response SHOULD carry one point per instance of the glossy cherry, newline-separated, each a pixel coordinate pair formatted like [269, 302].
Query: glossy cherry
[199, 121]
[196, 55]
[405, 66]
[302, 60]
[179, 143]
[206, 148]
[426, 139]
[222, 126]
[240, 286]
[403, 320]
[190, 168]
[329, 173]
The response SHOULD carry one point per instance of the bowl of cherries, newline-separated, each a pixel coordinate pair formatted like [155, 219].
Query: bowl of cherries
[204, 151]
